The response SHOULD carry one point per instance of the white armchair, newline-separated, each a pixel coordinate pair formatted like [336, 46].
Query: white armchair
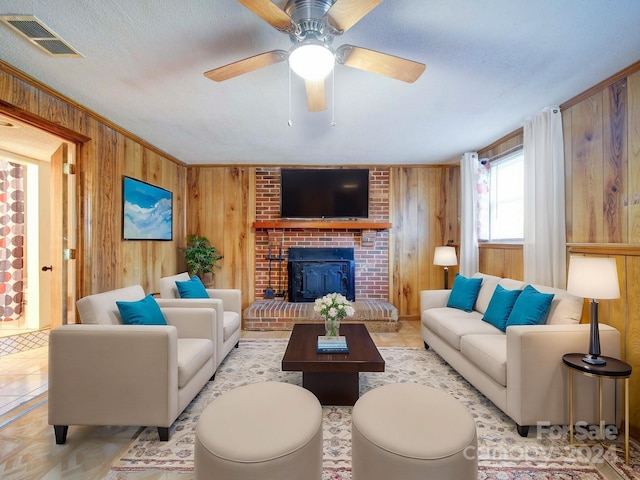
[226, 301]
[102, 372]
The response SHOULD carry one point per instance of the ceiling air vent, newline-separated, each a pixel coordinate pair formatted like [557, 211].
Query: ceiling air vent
[40, 35]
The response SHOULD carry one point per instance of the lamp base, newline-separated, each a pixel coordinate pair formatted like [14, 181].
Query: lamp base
[594, 360]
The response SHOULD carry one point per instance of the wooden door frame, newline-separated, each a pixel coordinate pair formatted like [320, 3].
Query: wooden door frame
[69, 136]
[34, 120]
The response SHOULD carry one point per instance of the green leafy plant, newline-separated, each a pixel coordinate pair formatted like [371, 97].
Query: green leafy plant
[201, 257]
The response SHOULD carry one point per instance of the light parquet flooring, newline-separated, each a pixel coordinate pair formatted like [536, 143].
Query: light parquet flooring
[27, 445]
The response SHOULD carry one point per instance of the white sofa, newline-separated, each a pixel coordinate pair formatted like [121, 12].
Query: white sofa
[226, 301]
[102, 372]
[521, 371]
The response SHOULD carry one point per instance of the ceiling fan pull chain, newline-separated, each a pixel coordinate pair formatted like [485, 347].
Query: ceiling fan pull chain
[333, 97]
[290, 121]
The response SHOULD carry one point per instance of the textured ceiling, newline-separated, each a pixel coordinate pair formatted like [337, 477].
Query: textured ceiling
[490, 65]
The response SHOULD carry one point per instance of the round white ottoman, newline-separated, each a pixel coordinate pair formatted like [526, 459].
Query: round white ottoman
[413, 432]
[260, 431]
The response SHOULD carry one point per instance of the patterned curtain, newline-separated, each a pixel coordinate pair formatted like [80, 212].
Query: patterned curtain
[11, 240]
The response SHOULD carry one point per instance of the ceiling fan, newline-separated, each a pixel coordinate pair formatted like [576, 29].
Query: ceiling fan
[311, 26]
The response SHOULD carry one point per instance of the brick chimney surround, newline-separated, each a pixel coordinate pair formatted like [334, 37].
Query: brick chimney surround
[370, 247]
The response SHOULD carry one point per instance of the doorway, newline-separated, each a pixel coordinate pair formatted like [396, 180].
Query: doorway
[40, 156]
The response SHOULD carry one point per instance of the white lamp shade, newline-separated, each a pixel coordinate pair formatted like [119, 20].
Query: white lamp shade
[445, 256]
[593, 277]
[311, 61]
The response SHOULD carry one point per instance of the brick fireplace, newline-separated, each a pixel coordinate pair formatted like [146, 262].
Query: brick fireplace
[370, 246]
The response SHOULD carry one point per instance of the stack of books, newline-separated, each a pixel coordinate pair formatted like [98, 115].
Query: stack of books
[332, 344]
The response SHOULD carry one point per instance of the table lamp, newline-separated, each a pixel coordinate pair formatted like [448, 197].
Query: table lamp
[594, 278]
[445, 257]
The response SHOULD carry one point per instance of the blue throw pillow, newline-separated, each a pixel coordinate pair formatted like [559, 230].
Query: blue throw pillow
[500, 307]
[531, 307]
[143, 312]
[464, 293]
[193, 288]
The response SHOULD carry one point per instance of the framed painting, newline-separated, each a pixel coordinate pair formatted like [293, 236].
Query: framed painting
[147, 211]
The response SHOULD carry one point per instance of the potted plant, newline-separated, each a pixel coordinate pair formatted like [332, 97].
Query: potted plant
[201, 257]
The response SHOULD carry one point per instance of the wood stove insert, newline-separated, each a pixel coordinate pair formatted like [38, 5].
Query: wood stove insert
[314, 272]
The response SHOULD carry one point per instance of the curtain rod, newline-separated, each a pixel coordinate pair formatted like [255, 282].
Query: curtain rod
[500, 155]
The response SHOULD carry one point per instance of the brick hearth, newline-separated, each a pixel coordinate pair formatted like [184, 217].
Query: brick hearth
[377, 315]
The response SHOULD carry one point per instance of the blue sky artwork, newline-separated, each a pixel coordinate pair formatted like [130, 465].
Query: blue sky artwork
[147, 211]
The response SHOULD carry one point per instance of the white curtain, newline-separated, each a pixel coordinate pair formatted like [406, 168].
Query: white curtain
[469, 219]
[544, 201]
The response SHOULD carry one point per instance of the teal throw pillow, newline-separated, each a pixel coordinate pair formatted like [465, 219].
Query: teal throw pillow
[500, 307]
[531, 307]
[464, 293]
[143, 312]
[193, 288]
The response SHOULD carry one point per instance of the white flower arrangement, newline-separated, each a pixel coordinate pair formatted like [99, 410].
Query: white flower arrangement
[333, 306]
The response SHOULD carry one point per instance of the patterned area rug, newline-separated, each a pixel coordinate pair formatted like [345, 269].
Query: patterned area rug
[502, 453]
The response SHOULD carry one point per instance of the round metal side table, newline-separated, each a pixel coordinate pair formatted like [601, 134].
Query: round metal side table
[614, 369]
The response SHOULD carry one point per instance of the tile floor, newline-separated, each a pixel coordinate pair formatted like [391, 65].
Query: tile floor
[23, 377]
[27, 446]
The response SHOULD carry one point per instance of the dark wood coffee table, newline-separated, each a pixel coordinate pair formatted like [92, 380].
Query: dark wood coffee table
[332, 377]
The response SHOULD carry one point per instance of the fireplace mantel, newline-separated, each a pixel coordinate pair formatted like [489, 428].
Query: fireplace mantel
[323, 224]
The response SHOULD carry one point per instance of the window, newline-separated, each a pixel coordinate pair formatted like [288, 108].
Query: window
[501, 202]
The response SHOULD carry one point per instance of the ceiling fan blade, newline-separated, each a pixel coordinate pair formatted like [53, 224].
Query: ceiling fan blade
[247, 65]
[316, 99]
[270, 13]
[344, 14]
[380, 63]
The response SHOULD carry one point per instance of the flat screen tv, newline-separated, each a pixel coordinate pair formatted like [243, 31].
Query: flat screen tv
[324, 193]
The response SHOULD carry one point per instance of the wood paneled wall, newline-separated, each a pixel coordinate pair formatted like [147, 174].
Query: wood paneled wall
[597, 167]
[104, 154]
[424, 212]
[602, 158]
[221, 207]
[502, 260]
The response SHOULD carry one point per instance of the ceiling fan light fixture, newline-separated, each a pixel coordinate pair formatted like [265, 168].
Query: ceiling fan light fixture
[312, 60]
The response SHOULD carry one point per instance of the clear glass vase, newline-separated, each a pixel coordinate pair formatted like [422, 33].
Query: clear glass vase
[332, 327]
